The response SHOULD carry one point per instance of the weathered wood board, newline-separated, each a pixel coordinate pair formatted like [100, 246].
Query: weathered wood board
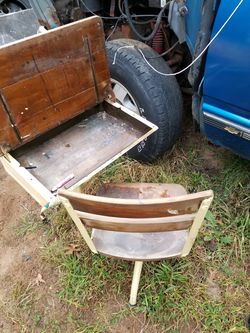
[49, 78]
[7, 132]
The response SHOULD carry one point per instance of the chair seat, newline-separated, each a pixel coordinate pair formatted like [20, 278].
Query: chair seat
[140, 246]
[122, 216]
[141, 190]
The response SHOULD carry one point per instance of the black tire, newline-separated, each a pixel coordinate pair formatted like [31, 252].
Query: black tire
[157, 97]
[22, 4]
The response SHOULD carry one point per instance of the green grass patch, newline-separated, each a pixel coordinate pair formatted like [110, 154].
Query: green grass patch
[209, 288]
[28, 224]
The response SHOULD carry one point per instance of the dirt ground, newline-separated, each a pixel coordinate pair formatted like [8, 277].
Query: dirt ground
[29, 285]
[19, 259]
[26, 278]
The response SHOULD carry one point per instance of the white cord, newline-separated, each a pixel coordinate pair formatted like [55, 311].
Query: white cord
[119, 48]
[191, 64]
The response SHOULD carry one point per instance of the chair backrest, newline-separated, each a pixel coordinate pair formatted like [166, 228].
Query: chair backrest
[137, 215]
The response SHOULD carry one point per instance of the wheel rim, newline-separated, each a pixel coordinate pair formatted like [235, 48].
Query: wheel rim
[124, 97]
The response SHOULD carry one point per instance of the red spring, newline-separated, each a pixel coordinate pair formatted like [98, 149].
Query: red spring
[158, 41]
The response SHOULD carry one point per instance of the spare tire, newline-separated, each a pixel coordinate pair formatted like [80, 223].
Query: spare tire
[143, 90]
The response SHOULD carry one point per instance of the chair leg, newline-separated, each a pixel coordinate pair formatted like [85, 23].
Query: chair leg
[135, 282]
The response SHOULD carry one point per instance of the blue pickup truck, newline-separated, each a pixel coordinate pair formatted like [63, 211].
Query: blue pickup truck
[158, 49]
[224, 111]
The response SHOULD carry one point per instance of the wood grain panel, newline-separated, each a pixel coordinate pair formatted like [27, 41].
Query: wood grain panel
[141, 208]
[7, 133]
[55, 115]
[45, 51]
[100, 62]
[52, 77]
[159, 224]
[41, 122]
[67, 80]
[16, 63]
[77, 103]
[95, 44]
[58, 50]
[26, 98]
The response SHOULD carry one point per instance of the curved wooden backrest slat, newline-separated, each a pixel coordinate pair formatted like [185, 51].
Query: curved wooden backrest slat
[123, 224]
[136, 208]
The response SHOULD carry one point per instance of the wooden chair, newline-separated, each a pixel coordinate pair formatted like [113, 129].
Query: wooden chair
[139, 222]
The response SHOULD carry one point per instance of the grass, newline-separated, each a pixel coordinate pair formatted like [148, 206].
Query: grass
[23, 295]
[208, 291]
[28, 224]
[209, 288]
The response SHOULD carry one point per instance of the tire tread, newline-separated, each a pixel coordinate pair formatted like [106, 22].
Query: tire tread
[166, 92]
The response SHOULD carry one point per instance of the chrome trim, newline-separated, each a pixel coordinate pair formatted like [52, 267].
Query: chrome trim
[227, 126]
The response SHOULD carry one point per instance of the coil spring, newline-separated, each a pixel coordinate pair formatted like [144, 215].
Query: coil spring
[158, 41]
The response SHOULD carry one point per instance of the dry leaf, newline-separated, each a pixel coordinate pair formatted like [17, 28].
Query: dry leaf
[39, 279]
[72, 249]
[219, 220]
[213, 274]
